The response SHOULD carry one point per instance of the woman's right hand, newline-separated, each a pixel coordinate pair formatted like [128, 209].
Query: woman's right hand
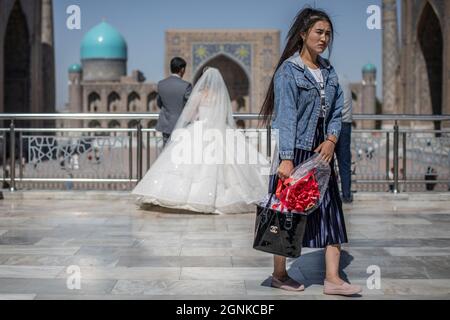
[285, 169]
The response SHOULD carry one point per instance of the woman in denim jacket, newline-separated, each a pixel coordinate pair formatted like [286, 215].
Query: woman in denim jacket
[304, 104]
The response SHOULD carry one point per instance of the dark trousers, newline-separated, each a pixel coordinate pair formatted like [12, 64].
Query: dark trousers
[166, 138]
[344, 158]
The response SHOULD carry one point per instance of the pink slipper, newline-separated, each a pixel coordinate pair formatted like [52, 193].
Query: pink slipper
[344, 289]
[288, 285]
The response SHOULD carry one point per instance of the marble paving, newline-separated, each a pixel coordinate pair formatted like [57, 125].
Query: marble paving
[111, 249]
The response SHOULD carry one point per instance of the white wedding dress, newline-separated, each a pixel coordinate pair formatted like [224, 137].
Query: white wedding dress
[190, 174]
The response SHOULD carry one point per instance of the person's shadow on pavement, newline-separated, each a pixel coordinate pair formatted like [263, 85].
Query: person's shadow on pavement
[309, 268]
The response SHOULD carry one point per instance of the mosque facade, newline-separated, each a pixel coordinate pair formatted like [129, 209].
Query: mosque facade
[100, 82]
[416, 62]
[245, 58]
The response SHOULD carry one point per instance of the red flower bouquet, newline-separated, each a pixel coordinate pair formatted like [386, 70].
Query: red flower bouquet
[298, 195]
[303, 191]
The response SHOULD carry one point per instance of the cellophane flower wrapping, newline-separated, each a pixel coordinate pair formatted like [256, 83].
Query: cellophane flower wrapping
[303, 191]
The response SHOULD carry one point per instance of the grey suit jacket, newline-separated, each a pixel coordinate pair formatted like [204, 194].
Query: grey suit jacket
[173, 94]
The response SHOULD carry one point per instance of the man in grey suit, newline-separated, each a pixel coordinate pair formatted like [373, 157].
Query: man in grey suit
[173, 94]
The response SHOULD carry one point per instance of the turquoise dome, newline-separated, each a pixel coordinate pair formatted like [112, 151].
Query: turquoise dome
[75, 68]
[369, 68]
[103, 42]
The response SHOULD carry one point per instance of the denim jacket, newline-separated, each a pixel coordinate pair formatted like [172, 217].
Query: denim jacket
[297, 105]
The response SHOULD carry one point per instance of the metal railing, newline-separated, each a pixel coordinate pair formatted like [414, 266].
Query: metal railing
[365, 173]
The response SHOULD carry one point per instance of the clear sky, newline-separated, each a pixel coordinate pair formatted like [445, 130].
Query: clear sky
[143, 23]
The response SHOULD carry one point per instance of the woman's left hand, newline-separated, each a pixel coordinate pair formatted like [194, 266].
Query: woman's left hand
[326, 150]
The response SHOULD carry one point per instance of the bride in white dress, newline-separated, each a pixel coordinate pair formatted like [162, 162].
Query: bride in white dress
[208, 166]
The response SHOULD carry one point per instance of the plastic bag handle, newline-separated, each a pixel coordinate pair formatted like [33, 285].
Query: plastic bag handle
[271, 196]
[266, 209]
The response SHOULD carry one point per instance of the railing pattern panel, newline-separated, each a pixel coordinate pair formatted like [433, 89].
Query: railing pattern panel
[152, 147]
[75, 157]
[427, 158]
[369, 152]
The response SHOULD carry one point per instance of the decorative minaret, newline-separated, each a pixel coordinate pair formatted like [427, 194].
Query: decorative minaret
[369, 94]
[390, 57]
[75, 92]
[48, 57]
[47, 22]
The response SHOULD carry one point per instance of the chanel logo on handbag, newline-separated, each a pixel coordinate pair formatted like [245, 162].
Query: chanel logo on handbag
[274, 229]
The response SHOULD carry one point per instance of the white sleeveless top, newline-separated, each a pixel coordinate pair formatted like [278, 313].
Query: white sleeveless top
[317, 73]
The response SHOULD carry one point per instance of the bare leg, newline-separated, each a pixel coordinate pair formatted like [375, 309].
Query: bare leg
[332, 257]
[333, 283]
[280, 277]
[279, 267]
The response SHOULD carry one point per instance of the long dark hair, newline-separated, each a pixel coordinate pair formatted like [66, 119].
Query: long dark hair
[304, 21]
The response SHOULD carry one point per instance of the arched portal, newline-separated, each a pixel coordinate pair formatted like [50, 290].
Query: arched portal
[133, 102]
[94, 102]
[431, 43]
[235, 78]
[16, 63]
[113, 102]
[151, 102]
[114, 124]
[94, 124]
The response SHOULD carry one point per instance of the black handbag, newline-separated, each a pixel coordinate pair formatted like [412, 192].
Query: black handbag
[279, 233]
